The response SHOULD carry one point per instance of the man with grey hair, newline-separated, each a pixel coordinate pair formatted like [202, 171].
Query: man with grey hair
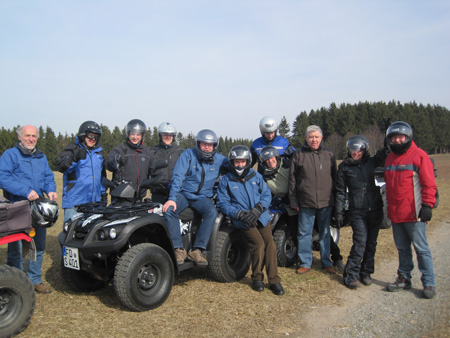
[25, 174]
[312, 179]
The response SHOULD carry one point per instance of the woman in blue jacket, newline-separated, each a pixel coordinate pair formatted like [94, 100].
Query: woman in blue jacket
[245, 198]
[83, 168]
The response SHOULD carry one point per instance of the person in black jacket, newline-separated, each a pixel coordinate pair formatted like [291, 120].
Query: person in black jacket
[169, 150]
[356, 174]
[131, 161]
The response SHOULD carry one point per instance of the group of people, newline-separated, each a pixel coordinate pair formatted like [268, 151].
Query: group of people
[306, 179]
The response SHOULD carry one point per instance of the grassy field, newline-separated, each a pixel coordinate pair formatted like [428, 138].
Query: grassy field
[199, 306]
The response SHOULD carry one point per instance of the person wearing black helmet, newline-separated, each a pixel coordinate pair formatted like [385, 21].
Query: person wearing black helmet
[194, 175]
[25, 174]
[131, 160]
[356, 176]
[245, 197]
[82, 164]
[411, 194]
[166, 149]
[268, 128]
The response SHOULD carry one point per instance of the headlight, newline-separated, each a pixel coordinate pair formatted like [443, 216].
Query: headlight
[66, 226]
[102, 235]
[112, 233]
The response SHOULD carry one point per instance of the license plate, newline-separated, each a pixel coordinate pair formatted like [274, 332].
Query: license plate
[71, 258]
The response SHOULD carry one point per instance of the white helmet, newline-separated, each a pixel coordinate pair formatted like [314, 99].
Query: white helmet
[268, 125]
[167, 128]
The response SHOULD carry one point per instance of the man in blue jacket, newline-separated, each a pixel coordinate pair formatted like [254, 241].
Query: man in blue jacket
[194, 175]
[25, 174]
[268, 128]
[83, 168]
[245, 198]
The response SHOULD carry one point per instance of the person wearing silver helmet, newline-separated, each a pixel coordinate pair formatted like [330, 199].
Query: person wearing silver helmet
[194, 175]
[245, 197]
[82, 164]
[268, 127]
[411, 195]
[356, 179]
[26, 175]
[166, 149]
[131, 161]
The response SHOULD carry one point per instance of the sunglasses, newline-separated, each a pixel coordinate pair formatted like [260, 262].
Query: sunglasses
[92, 137]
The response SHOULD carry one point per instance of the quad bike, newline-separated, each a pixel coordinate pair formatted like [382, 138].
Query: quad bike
[127, 242]
[17, 296]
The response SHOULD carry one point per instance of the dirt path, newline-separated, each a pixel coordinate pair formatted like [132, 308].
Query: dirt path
[374, 312]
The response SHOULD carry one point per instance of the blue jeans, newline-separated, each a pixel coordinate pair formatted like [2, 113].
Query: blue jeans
[33, 268]
[415, 233]
[306, 217]
[205, 207]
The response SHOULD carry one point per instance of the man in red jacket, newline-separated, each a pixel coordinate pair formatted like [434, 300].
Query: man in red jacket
[411, 194]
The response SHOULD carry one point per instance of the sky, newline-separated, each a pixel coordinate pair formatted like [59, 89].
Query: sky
[220, 65]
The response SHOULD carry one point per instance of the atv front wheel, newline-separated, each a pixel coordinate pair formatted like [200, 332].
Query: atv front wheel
[286, 247]
[231, 260]
[79, 280]
[17, 301]
[144, 277]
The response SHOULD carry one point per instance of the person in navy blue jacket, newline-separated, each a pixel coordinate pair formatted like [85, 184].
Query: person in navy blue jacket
[245, 198]
[82, 164]
[193, 178]
[268, 128]
[25, 174]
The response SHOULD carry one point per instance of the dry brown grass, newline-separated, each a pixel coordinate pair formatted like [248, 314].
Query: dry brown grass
[199, 306]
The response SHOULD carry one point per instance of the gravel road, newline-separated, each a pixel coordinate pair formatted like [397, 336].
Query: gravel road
[372, 311]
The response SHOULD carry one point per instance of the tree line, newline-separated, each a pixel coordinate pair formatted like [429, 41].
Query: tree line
[430, 123]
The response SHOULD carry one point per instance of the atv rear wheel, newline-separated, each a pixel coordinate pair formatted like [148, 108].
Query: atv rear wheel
[144, 277]
[17, 301]
[286, 247]
[231, 260]
[79, 280]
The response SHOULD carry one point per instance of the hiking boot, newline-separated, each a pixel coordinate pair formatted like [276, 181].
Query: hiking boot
[353, 285]
[301, 270]
[198, 257]
[366, 280]
[258, 285]
[277, 289]
[401, 283]
[181, 255]
[339, 265]
[41, 288]
[330, 270]
[429, 292]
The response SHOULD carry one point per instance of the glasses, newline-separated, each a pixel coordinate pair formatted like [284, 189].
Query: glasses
[92, 137]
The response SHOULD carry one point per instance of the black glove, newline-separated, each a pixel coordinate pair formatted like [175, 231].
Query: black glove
[79, 153]
[240, 215]
[425, 213]
[251, 217]
[339, 221]
[120, 161]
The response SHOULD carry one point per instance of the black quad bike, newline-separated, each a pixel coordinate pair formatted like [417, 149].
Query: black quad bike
[127, 242]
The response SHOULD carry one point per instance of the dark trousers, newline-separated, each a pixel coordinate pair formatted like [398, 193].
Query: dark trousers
[262, 252]
[361, 261]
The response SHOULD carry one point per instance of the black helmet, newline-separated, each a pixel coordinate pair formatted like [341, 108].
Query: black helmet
[135, 126]
[266, 153]
[399, 128]
[44, 212]
[166, 128]
[89, 127]
[206, 136]
[240, 153]
[357, 143]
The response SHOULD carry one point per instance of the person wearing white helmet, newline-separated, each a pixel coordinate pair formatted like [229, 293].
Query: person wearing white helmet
[268, 127]
[166, 149]
[130, 161]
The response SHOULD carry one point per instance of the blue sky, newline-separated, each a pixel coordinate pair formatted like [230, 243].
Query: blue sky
[221, 65]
